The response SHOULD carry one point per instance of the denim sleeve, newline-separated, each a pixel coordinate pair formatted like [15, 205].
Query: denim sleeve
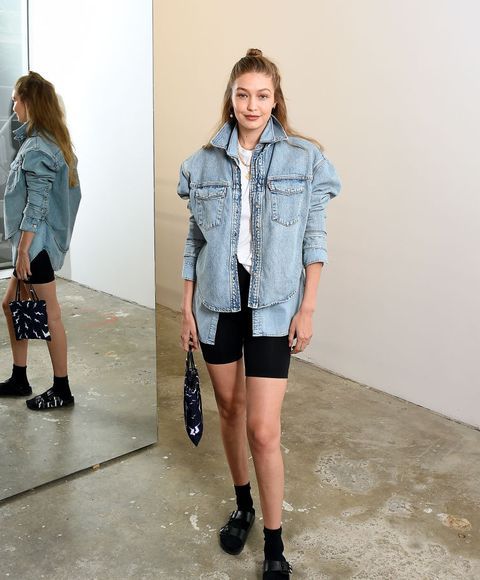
[325, 186]
[39, 170]
[195, 239]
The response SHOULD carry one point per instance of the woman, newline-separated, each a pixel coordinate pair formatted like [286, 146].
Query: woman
[253, 256]
[41, 202]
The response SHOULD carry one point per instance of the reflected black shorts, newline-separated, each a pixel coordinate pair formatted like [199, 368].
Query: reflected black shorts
[265, 356]
[41, 268]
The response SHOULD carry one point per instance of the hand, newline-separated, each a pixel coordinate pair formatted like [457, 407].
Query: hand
[189, 336]
[301, 329]
[23, 266]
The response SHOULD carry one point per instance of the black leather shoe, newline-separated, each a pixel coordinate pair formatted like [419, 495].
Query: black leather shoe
[234, 533]
[281, 568]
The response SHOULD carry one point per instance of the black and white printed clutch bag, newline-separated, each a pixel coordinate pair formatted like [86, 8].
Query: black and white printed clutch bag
[192, 401]
[29, 316]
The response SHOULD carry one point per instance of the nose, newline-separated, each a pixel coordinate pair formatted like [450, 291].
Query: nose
[251, 105]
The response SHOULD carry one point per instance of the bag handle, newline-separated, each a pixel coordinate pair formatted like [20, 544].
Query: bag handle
[31, 289]
[189, 362]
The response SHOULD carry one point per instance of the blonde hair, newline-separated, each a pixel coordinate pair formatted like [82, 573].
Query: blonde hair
[45, 115]
[254, 61]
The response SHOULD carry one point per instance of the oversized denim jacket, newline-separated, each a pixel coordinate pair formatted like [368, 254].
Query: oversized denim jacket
[291, 184]
[38, 198]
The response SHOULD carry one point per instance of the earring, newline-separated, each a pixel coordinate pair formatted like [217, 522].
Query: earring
[231, 115]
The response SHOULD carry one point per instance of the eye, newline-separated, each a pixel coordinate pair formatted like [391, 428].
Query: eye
[241, 95]
[264, 97]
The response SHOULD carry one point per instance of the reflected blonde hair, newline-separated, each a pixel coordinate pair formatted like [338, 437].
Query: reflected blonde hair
[254, 61]
[46, 116]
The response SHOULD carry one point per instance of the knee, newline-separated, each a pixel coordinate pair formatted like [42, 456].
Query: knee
[263, 438]
[231, 410]
[5, 306]
[54, 315]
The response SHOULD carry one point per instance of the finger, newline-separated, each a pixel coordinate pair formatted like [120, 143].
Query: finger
[184, 342]
[298, 346]
[291, 336]
[195, 342]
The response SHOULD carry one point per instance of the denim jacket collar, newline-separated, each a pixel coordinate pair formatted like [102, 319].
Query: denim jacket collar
[227, 137]
[20, 134]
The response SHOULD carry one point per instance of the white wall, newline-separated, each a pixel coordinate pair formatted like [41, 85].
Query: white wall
[392, 90]
[98, 54]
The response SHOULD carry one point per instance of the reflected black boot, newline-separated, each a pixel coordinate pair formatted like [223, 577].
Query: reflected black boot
[57, 396]
[17, 385]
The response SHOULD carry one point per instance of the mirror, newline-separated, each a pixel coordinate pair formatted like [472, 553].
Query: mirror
[106, 287]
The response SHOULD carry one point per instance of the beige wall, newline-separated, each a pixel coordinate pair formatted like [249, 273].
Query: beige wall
[196, 44]
[392, 90]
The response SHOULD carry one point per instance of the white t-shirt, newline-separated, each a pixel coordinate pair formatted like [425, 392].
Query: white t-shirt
[244, 247]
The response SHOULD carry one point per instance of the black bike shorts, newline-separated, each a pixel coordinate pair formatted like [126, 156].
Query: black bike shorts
[41, 268]
[265, 356]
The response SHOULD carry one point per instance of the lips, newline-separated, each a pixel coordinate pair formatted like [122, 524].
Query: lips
[252, 117]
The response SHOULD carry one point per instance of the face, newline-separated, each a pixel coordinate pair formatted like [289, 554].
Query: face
[19, 108]
[253, 100]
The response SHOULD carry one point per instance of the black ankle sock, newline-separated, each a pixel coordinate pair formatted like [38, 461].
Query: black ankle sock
[61, 387]
[244, 497]
[19, 374]
[273, 544]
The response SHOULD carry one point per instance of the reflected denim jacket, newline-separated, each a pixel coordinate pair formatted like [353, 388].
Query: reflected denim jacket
[291, 184]
[38, 198]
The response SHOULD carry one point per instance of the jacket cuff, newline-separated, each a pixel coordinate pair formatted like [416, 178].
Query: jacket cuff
[29, 224]
[189, 268]
[312, 255]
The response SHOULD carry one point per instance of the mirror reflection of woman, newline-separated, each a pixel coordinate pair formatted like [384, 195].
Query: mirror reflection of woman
[254, 252]
[42, 195]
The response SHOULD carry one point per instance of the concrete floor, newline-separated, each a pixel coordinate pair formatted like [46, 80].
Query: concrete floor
[376, 489]
[111, 345]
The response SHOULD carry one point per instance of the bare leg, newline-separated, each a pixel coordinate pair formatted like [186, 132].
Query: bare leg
[19, 347]
[229, 386]
[264, 404]
[58, 345]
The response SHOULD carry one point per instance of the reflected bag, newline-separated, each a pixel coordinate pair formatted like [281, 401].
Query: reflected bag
[192, 401]
[29, 316]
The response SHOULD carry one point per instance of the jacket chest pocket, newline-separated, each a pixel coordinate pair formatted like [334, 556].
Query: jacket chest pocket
[14, 174]
[287, 198]
[209, 202]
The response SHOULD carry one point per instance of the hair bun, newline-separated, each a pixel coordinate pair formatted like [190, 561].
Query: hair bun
[254, 52]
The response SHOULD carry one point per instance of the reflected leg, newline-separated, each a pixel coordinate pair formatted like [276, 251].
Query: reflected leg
[59, 395]
[17, 384]
[58, 345]
[19, 347]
